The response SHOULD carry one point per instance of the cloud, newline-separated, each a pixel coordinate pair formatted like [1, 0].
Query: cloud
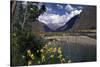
[69, 8]
[80, 7]
[59, 6]
[48, 9]
[55, 21]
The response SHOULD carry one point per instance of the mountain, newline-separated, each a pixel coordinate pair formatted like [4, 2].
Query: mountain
[41, 27]
[87, 20]
[65, 27]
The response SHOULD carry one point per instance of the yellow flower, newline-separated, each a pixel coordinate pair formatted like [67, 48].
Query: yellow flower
[46, 45]
[54, 50]
[29, 62]
[32, 56]
[63, 60]
[59, 50]
[38, 62]
[28, 51]
[52, 56]
[37, 51]
[60, 56]
[49, 43]
[43, 58]
[41, 50]
[50, 49]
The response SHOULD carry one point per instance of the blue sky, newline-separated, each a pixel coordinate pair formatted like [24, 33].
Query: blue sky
[61, 8]
[58, 15]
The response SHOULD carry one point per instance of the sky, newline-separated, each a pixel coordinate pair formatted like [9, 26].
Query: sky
[57, 15]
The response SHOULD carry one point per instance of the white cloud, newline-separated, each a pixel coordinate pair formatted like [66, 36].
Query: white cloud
[69, 8]
[48, 9]
[59, 6]
[54, 21]
[80, 7]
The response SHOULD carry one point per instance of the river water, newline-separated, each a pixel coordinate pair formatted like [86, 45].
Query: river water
[77, 48]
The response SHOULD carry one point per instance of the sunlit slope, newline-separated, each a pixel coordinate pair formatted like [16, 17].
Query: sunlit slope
[87, 20]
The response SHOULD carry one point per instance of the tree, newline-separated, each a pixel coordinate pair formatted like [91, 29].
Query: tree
[22, 38]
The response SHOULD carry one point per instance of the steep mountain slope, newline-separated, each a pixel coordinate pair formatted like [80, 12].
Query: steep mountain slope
[87, 20]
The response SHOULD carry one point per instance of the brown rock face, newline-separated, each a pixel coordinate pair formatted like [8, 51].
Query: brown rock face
[87, 20]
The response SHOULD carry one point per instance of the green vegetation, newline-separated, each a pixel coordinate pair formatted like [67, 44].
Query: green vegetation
[27, 47]
[49, 55]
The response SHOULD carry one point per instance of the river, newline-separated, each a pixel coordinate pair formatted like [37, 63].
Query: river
[77, 48]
